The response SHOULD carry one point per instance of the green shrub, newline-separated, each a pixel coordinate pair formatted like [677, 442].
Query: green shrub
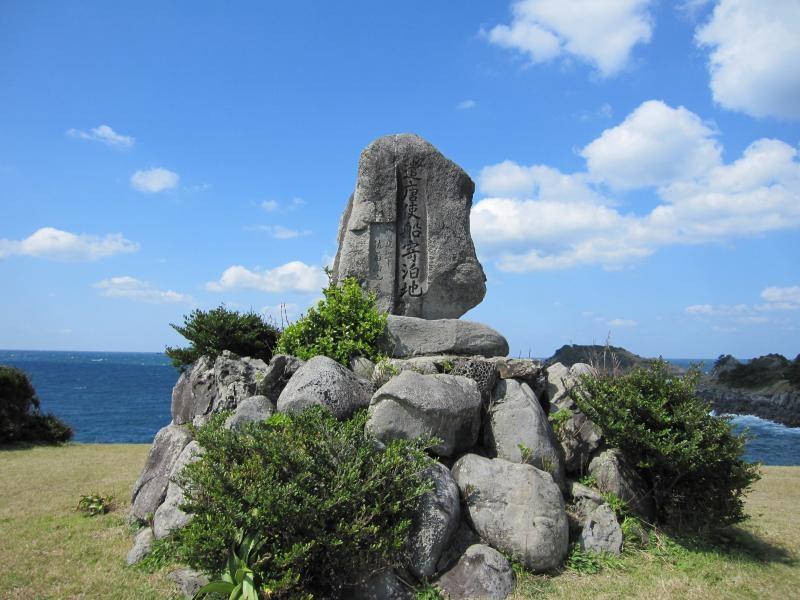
[212, 331]
[343, 325]
[691, 459]
[21, 419]
[327, 502]
[792, 372]
[95, 504]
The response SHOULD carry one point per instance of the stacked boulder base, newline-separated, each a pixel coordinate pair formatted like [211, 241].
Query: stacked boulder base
[502, 486]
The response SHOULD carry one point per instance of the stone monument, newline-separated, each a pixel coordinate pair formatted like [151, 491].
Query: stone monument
[405, 232]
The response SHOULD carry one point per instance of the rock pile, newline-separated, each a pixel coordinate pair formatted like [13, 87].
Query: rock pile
[504, 482]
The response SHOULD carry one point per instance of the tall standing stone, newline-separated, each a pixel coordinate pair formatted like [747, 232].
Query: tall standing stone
[405, 232]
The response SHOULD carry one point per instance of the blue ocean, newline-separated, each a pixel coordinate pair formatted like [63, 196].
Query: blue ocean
[124, 397]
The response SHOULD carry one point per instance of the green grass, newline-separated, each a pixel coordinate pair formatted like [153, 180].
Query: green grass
[50, 550]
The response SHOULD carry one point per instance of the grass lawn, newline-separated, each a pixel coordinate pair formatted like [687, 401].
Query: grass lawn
[48, 550]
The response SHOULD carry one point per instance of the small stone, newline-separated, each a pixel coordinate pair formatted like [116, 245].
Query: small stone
[362, 367]
[614, 475]
[188, 581]
[601, 531]
[482, 573]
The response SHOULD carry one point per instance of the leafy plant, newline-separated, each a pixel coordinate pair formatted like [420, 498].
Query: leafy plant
[588, 481]
[162, 553]
[559, 418]
[95, 504]
[447, 366]
[346, 323]
[428, 592]
[212, 331]
[616, 503]
[525, 453]
[240, 580]
[589, 562]
[21, 419]
[327, 501]
[691, 459]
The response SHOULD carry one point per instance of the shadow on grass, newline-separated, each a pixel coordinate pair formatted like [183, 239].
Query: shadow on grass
[20, 446]
[736, 542]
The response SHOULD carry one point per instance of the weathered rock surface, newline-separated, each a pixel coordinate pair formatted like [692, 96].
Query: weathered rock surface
[388, 368]
[409, 336]
[579, 438]
[516, 508]
[435, 522]
[482, 573]
[481, 371]
[151, 487]
[405, 231]
[209, 387]
[517, 430]
[280, 370]
[188, 581]
[527, 370]
[168, 516]
[462, 539]
[601, 531]
[323, 381]
[141, 546]
[614, 475]
[249, 410]
[561, 380]
[363, 367]
[380, 586]
[441, 406]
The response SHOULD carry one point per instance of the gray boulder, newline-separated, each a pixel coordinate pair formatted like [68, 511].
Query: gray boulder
[561, 380]
[462, 539]
[601, 531]
[323, 381]
[237, 378]
[188, 581]
[517, 430]
[141, 546]
[614, 475]
[363, 367]
[169, 516]
[405, 231]
[391, 367]
[195, 391]
[579, 438]
[482, 573]
[151, 487]
[384, 585]
[481, 371]
[528, 370]
[249, 410]
[516, 508]
[435, 523]
[441, 406]
[409, 336]
[280, 370]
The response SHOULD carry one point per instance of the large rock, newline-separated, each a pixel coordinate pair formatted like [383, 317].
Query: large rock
[195, 391]
[481, 371]
[482, 573]
[528, 370]
[516, 508]
[384, 585]
[561, 380]
[250, 410]
[237, 378]
[517, 429]
[462, 539]
[405, 231]
[614, 475]
[411, 405]
[280, 370]
[323, 381]
[409, 336]
[601, 531]
[435, 523]
[151, 487]
[169, 516]
[141, 546]
[188, 581]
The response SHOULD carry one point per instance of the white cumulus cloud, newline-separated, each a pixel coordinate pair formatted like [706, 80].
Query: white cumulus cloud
[599, 32]
[142, 291]
[294, 276]
[56, 244]
[156, 179]
[654, 145]
[754, 55]
[104, 134]
[537, 218]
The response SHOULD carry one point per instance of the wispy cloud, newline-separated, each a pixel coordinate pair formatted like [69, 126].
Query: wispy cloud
[274, 205]
[154, 180]
[466, 104]
[105, 135]
[279, 232]
[56, 244]
[294, 276]
[141, 291]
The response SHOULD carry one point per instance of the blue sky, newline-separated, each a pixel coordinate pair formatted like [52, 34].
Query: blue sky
[636, 162]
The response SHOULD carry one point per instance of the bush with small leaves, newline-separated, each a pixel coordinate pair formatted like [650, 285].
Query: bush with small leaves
[21, 419]
[346, 323]
[94, 504]
[690, 458]
[212, 331]
[328, 502]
